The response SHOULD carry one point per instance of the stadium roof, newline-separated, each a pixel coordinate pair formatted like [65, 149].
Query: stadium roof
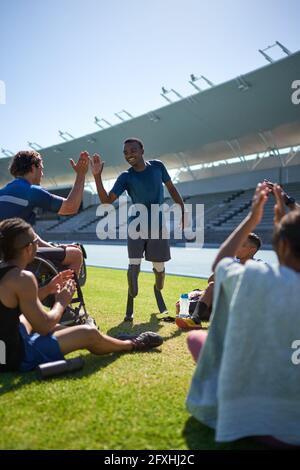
[243, 116]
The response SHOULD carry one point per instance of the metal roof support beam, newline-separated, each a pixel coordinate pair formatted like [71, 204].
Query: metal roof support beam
[193, 80]
[7, 153]
[243, 156]
[292, 154]
[153, 117]
[234, 145]
[257, 162]
[119, 115]
[242, 84]
[283, 48]
[266, 56]
[282, 163]
[277, 43]
[271, 147]
[274, 145]
[97, 121]
[166, 92]
[237, 151]
[62, 134]
[232, 148]
[185, 164]
[34, 145]
[176, 177]
[263, 138]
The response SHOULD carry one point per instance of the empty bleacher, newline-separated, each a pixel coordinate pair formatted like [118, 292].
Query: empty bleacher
[74, 223]
[223, 211]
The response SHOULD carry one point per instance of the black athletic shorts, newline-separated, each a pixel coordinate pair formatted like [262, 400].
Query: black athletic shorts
[157, 251]
[56, 255]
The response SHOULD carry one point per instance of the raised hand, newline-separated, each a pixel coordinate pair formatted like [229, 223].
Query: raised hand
[258, 202]
[279, 208]
[82, 166]
[97, 164]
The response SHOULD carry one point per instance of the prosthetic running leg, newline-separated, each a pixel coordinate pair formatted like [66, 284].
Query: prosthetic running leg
[132, 277]
[158, 286]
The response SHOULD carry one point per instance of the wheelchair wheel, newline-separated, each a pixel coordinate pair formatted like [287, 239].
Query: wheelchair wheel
[82, 274]
[75, 313]
[44, 271]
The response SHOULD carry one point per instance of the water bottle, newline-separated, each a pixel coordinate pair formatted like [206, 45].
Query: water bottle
[184, 306]
[51, 369]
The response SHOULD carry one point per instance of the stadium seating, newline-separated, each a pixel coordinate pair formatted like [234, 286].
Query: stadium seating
[223, 211]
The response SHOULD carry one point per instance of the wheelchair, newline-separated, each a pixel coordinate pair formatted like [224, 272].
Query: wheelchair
[83, 273]
[76, 313]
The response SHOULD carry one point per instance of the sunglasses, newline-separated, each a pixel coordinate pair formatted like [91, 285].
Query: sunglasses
[32, 242]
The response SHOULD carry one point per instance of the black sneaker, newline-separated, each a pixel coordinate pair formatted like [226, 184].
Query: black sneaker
[125, 336]
[145, 341]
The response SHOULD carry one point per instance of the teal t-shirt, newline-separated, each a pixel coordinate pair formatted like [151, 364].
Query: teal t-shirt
[143, 187]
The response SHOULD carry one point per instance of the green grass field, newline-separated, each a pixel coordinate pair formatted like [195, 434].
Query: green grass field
[124, 401]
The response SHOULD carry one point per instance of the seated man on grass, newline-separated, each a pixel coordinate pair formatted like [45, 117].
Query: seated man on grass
[246, 382]
[30, 334]
[203, 305]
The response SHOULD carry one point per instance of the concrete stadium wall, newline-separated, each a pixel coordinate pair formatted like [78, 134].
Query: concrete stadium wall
[234, 182]
[240, 167]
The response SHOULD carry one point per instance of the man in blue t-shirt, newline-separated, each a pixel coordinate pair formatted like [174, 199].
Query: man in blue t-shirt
[144, 184]
[23, 194]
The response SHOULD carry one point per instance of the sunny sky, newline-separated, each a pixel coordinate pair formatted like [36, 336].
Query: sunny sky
[65, 61]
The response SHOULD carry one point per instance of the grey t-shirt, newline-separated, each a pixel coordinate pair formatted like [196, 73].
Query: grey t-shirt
[246, 383]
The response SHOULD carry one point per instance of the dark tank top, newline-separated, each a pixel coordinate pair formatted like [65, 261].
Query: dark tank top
[11, 343]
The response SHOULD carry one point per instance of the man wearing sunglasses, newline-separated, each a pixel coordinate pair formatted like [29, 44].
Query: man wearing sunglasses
[32, 335]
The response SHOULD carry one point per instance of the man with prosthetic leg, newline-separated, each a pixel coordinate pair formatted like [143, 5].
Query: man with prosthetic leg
[153, 249]
[143, 182]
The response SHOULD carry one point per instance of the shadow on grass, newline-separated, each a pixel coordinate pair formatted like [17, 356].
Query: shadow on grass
[9, 382]
[134, 329]
[154, 324]
[12, 381]
[93, 363]
[201, 437]
[173, 335]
